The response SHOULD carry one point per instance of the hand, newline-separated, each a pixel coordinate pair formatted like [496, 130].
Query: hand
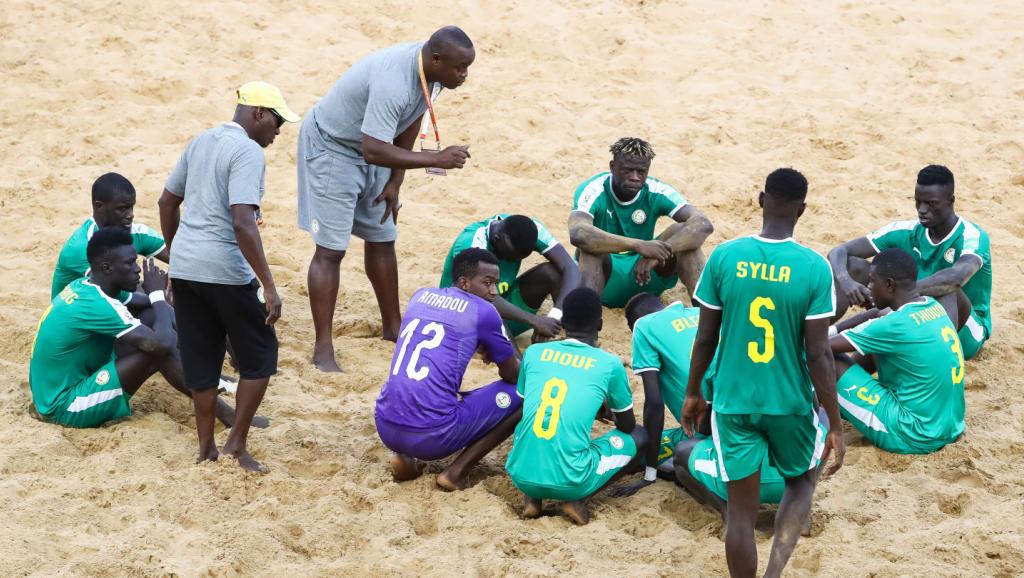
[642, 271]
[390, 196]
[657, 250]
[273, 303]
[630, 489]
[834, 442]
[855, 293]
[153, 279]
[694, 408]
[453, 157]
[546, 327]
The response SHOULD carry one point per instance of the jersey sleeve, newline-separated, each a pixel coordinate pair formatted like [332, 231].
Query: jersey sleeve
[894, 235]
[146, 240]
[109, 317]
[587, 194]
[823, 291]
[245, 177]
[667, 200]
[645, 357]
[491, 333]
[545, 240]
[874, 336]
[707, 285]
[976, 242]
[620, 397]
[176, 181]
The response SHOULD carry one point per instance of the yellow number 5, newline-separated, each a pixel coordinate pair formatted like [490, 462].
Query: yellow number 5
[949, 336]
[753, 351]
[553, 402]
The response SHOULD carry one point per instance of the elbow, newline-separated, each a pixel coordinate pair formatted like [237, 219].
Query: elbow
[705, 227]
[371, 153]
[578, 238]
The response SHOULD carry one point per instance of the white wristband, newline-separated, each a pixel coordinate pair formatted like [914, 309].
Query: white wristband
[555, 314]
[650, 474]
[832, 331]
[156, 296]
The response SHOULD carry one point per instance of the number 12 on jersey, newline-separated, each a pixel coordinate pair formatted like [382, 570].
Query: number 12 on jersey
[435, 331]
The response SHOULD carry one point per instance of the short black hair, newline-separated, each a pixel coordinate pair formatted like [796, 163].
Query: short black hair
[935, 175]
[111, 186]
[640, 305]
[466, 262]
[581, 310]
[448, 36]
[105, 240]
[522, 231]
[895, 264]
[786, 184]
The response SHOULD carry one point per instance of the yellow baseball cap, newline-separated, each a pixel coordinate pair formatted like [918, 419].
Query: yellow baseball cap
[266, 95]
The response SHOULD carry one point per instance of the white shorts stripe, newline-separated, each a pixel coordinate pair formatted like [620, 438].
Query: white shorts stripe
[977, 331]
[708, 467]
[84, 402]
[718, 446]
[615, 462]
[866, 417]
[819, 443]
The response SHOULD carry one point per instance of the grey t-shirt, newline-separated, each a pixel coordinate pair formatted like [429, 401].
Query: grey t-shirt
[219, 168]
[380, 96]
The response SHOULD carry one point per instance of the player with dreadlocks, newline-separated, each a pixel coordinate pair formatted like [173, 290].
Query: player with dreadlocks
[612, 226]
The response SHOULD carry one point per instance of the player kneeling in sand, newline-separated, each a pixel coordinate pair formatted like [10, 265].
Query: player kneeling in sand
[513, 238]
[916, 405]
[90, 354]
[420, 413]
[563, 385]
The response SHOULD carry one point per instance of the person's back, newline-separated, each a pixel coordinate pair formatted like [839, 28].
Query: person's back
[662, 342]
[441, 330]
[917, 352]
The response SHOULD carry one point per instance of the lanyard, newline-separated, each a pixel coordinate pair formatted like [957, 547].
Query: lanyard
[430, 106]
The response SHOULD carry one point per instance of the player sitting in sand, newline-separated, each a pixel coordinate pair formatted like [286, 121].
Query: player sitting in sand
[75, 375]
[511, 238]
[113, 204]
[662, 340]
[612, 224]
[916, 405]
[563, 385]
[420, 413]
[952, 256]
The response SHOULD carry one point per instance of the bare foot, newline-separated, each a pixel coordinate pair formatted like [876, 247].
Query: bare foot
[208, 455]
[404, 468]
[246, 461]
[449, 482]
[325, 361]
[806, 531]
[531, 507]
[577, 512]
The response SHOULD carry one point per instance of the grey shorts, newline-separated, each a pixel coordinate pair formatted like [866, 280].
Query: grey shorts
[336, 195]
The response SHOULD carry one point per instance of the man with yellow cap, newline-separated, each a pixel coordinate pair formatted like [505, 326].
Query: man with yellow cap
[220, 278]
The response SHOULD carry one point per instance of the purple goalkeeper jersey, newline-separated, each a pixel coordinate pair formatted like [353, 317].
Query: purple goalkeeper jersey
[441, 330]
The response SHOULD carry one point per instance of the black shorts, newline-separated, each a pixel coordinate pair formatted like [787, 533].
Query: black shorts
[207, 313]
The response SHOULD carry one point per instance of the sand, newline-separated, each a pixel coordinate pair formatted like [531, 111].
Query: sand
[859, 96]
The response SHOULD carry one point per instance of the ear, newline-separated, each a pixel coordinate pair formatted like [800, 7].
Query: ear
[97, 205]
[800, 213]
[600, 325]
[760, 199]
[952, 200]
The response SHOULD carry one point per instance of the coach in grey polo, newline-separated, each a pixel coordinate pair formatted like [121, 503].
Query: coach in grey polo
[354, 147]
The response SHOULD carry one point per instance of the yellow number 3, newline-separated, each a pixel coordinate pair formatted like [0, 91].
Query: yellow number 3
[552, 402]
[753, 351]
[949, 336]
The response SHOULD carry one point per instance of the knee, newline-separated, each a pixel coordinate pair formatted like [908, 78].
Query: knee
[640, 438]
[327, 256]
[681, 454]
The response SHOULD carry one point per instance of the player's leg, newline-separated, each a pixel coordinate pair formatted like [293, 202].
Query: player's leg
[595, 269]
[696, 467]
[485, 417]
[859, 270]
[613, 455]
[870, 407]
[322, 282]
[539, 283]
[741, 449]
[380, 259]
[515, 296]
[97, 399]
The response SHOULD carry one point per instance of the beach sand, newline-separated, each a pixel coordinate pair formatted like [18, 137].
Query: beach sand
[858, 96]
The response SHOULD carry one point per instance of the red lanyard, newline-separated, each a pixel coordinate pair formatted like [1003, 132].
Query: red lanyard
[430, 106]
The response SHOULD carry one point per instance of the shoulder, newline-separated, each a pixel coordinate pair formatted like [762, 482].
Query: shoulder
[659, 187]
[727, 248]
[814, 258]
[972, 233]
[143, 229]
[908, 225]
[593, 186]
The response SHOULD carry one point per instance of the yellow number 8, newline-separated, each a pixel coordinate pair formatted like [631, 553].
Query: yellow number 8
[949, 336]
[753, 352]
[550, 401]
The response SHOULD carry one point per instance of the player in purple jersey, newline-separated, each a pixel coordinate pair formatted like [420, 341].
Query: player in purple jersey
[420, 413]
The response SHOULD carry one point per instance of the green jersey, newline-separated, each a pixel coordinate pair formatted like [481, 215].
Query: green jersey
[563, 384]
[919, 359]
[74, 339]
[766, 289]
[662, 342]
[966, 238]
[477, 236]
[73, 264]
[634, 218]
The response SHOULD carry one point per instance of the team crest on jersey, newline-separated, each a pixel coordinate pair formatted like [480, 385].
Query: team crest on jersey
[102, 377]
[616, 442]
[639, 216]
[503, 400]
[950, 253]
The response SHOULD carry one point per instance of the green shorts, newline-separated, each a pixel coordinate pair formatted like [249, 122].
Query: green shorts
[972, 336]
[704, 467]
[873, 410]
[792, 443]
[621, 285]
[670, 438]
[514, 297]
[95, 400]
[608, 454]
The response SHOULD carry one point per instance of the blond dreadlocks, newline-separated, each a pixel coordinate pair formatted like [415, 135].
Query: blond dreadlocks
[632, 147]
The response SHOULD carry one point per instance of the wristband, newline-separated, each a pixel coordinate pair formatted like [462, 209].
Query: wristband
[650, 474]
[832, 331]
[555, 314]
[156, 296]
